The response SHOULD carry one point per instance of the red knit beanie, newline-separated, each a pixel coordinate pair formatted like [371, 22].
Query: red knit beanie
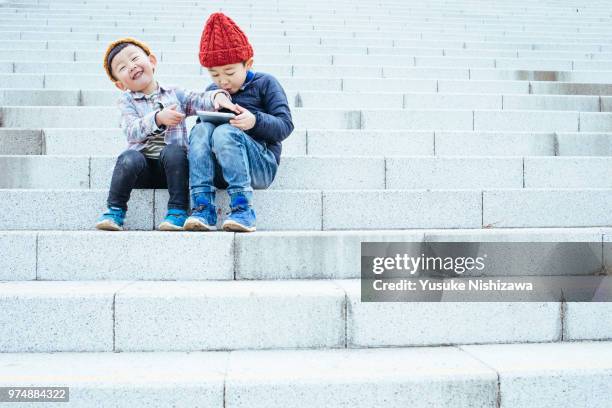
[223, 42]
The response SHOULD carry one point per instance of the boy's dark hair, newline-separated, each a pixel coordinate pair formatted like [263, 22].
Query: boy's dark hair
[113, 53]
[115, 48]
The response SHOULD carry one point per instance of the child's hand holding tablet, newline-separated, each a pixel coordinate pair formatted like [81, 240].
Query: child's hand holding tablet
[223, 103]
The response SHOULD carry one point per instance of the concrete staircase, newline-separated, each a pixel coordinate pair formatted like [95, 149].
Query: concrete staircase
[444, 120]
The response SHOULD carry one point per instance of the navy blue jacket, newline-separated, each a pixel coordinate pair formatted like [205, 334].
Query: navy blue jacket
[265, 98]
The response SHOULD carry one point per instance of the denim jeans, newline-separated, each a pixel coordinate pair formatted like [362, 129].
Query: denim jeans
[134, 170]
[227, 158]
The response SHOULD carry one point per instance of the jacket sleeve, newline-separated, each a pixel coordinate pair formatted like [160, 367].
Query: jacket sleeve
[191, 102]
[136, 128]
[275, 124]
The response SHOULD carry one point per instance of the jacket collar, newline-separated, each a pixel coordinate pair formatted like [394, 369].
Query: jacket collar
[249, 77]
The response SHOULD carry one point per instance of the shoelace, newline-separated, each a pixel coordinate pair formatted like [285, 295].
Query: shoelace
[239, 209]
[200, 208]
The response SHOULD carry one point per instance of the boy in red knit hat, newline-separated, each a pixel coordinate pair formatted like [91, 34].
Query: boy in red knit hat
[245, 153]
[152, 118]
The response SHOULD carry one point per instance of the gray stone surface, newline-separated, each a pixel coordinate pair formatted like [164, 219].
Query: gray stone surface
[552, 102]
[135, 256]
[372, 324]
[526, 121]
[370, 142]
[84, 141]
[57, 316]
[549, 375]
[69, 209]
[584, 144]
[417, 119]
[44, 172]
[122, 379]
[453, 172]
[395, 209]
[20, 141]
[18, 255]
[425, 377]
[229, 315]
[492, 143]
[589, 320]
[532, 208]
[595, 122]
[320, 173]
[308, 255]
[568, 172]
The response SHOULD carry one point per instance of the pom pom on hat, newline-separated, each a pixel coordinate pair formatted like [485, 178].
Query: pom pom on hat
[223, 42]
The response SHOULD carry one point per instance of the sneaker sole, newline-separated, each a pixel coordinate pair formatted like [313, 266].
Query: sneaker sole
[195, 225]
[166, 226]
[107, 225]
[233, 226]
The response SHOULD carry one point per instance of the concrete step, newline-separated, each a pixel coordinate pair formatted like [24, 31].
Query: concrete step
[505, 43]
[351, 173]
[406, 119]
[196, 82]
[429, 58]
[347, 100]
[597, 73]
[406, 38]
[273, 46]
[348, 84]
[327, 210]
[127, 316]
[525, 375]
[283, 314]
[319, 142]
[272, 255]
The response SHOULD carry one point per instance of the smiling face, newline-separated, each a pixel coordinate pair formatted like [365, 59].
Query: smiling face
[231, 77]
[134, 69]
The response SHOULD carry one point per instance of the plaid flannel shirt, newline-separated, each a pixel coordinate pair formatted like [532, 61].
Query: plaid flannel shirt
[138, 113]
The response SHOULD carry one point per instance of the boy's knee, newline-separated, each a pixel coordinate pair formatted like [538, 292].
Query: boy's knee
[224, 134]
[131, 160]
[201, 133]
[174, 153]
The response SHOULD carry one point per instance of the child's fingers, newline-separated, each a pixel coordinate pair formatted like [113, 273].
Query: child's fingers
[172, 107]
[228, 105]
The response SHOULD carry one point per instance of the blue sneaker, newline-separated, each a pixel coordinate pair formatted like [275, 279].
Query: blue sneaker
[174, 221]
[112, 220]
[203, 216]
[242, 216]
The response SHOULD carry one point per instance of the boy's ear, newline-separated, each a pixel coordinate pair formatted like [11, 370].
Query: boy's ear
[249, 63]
[153, 61]
[120, 85]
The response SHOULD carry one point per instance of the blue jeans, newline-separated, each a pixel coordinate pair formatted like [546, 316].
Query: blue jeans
[227, 158]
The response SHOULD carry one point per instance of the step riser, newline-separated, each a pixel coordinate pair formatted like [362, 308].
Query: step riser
[450, 120]
[351, 173]
[326, 210]
[262, 256]
[251, 315]
[90, 142]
